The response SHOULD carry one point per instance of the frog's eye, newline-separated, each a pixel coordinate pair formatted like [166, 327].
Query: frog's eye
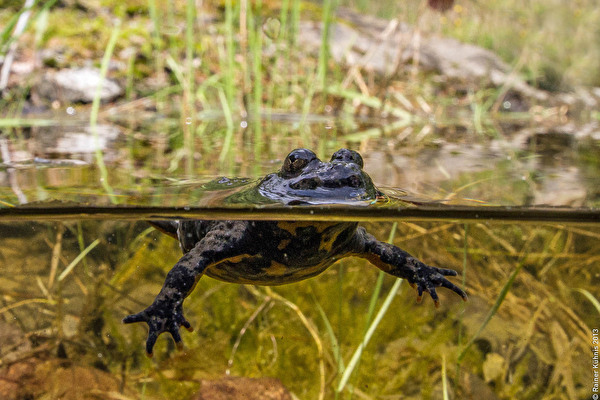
[296, 161]
[346, 155]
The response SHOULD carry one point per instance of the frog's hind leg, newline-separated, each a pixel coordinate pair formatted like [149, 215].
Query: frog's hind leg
[399, 263]
[165, 314]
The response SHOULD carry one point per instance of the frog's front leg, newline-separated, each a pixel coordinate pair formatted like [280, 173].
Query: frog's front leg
[165, 314]
[397, 262]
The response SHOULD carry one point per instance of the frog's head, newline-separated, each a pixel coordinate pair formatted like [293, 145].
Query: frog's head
[304, 178]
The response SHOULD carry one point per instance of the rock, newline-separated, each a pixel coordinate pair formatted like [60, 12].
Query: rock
[381, 46]
[473, 387]
[34, 378]
[580, 100]
[12, 343]
[234, 388]
[469, 63]
[77, 85]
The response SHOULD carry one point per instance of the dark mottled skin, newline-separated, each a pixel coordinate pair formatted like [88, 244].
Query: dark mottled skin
[279, 252]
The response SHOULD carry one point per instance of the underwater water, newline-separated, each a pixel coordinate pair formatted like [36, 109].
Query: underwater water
[526, 330]
[519, 224]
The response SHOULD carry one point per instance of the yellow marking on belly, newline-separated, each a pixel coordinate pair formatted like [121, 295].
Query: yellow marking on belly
[308, 272]
[227, 274]
[277, 269]
[237, 259]
[327, 242]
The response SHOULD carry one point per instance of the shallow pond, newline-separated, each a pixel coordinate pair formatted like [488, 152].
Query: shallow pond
[516, 216]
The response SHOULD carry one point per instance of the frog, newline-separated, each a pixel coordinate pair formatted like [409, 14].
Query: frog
[273, 252]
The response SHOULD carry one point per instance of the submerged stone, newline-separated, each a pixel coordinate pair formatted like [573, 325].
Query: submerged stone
[77, 85]
[232, 388]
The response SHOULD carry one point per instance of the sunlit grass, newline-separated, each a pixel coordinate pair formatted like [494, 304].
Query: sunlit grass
[25, 122]
[110, 46]
[230, 56]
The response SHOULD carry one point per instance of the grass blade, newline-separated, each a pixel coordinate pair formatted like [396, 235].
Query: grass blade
[357, 354]
[335, 346]
[96, 108]
[493, 310]
[590, 297]
[73, 263]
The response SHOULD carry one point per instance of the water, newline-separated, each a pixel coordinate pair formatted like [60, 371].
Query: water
[519, 224]
[540, 335]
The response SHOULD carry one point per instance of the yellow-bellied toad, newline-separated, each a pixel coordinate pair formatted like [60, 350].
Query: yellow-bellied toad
[278, 252]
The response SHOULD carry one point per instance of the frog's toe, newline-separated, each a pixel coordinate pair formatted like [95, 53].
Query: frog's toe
[428, 287]
[139, 317]
[174, 331]
[445, 272]
[433, 293]
[184, 322]
[153, 328]
[419, 290]
[151, 341]
[156, 327]
[449, 285]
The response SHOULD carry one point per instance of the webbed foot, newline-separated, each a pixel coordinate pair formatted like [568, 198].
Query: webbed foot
[427, 279]
[161, 317]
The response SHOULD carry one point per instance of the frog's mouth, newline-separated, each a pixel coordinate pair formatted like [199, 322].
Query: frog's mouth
[307, 192]
[319, 195]
[283, 194]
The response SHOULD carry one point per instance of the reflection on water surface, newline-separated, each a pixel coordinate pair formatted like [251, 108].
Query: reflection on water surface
[524, 168]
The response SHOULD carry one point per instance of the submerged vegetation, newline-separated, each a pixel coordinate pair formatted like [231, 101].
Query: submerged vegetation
[523, 334]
